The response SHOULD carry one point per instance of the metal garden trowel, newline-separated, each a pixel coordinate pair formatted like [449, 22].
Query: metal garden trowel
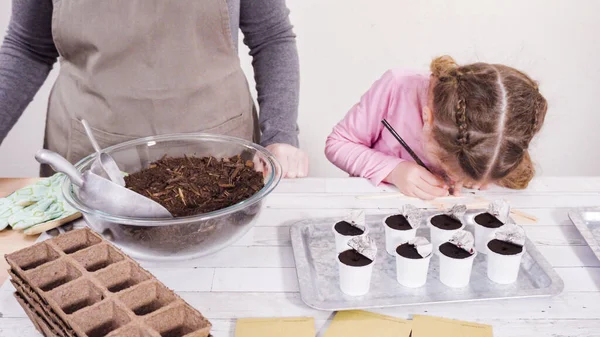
[104, 163]
[103, 194]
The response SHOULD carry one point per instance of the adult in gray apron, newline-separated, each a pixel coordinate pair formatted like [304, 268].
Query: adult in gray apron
[144, 67]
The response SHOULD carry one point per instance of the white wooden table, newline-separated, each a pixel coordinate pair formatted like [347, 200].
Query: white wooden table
[256, 277]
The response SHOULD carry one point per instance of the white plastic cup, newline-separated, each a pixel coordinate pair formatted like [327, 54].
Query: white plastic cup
[395, 237]
[440, 236]
[412, 273]
[483, 235]
[456, 273]
[341, 241]
[355, 281]
[503, 269]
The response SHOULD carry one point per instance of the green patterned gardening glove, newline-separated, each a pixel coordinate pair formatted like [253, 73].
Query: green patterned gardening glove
[35, 204]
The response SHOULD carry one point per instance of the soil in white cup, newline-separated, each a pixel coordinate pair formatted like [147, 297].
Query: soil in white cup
[485, 225]
[446, 222]
[408, 251]
[397, 231]
[346, 229]
[504, 261]
[355, 272]
[353, 258]
[411, 267]
[452, 251]
[442, 228]
[456, 265]
[504, 248]
[487, 220]
[398, 222]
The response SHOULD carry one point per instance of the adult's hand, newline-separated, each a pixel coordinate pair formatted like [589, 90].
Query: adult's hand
[294, 162]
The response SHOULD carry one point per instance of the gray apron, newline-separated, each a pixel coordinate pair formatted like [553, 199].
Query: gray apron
[139, 68]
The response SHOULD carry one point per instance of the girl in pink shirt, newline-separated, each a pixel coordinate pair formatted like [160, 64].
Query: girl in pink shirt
[472, 124]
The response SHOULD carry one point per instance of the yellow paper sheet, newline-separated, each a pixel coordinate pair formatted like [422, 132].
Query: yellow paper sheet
[362, 323]
[275, 327]
[427, 326]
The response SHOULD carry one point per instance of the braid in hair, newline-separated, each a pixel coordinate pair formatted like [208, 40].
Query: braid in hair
[446, 70]
[461, 114]
[461, 121]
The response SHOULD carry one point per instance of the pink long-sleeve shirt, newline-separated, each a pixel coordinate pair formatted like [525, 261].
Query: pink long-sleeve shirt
[362, 146]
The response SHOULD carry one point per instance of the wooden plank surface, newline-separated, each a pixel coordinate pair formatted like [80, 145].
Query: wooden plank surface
[11, 240]
[256, 276]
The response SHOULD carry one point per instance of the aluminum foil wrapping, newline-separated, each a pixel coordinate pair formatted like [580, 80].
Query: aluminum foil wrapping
[511, 233]
[500, 209]
[357, 219]
[365, 245]
[464, 240]
[413, 215]
[422, 245]
[457, 212]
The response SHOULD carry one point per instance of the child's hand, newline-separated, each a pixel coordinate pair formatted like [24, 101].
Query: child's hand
[415, 181]
[472, 186]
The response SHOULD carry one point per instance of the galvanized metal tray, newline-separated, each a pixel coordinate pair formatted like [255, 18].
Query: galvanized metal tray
[587, 221]
[314, 252]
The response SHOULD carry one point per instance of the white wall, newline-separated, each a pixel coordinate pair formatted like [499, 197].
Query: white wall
[346, 45]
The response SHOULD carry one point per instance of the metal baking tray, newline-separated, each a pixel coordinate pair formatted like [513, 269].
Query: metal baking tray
[587, 221]
[314, 252]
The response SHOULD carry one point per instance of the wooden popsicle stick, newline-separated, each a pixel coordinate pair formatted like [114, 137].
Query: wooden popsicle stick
[522, 217]
[46, 226]
[476, 203]
[447, 202]
[481, 203]
[383, 196]
[518, 216]
[403, 196]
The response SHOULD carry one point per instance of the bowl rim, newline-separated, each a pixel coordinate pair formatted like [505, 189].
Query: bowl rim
[272, 180]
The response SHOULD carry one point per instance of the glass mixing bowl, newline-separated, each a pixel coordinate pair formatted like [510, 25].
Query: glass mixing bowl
[182, 237]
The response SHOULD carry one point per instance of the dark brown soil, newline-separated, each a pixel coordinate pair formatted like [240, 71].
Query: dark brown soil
[446, 222]
[453, 251]
[487, 220]
[398, 222]
[347, 229]
[353, 258]
[408, 251]
[190, 185]
[504, 248]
